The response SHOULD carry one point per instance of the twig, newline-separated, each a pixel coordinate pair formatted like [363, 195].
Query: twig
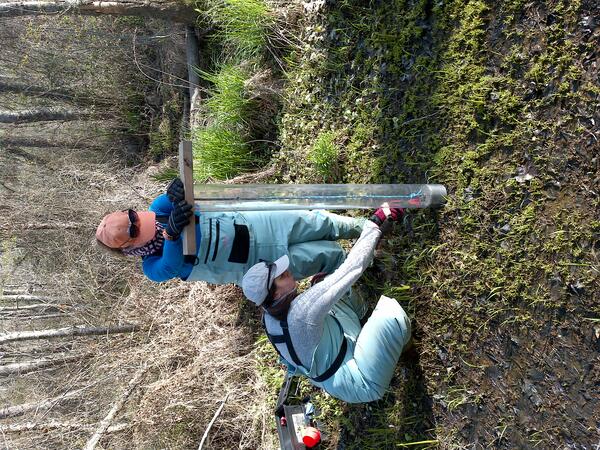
[252, 177]
[213, 421]
[105, 423]
[6, 187]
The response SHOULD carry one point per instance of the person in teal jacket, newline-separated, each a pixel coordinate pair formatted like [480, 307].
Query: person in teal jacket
[228, 243]
[318, 334]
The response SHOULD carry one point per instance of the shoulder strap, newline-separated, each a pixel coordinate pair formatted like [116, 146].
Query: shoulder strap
[284, 338]
[339, 359]
[288, 342]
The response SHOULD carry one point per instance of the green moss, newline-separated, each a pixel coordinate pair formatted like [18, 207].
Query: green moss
[457, 94]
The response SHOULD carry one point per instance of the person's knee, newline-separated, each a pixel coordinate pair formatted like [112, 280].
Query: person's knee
[363, 395]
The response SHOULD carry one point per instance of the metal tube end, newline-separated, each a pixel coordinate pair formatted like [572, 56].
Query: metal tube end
[438, 194]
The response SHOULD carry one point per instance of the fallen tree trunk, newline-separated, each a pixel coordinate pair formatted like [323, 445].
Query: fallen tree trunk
[23, 298]
[105, 423]
[173, 11]
[32, 317]
[79, 330]
[40, 115]
[13, 85]
[43, 307]
[30, 366]
[19, 410]
[13, 291]
[56, 425]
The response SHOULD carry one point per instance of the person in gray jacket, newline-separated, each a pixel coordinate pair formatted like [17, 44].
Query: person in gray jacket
[318, 333]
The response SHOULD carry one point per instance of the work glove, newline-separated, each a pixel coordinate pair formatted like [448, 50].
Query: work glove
[379, 215]
[179, 218]
[175, 191]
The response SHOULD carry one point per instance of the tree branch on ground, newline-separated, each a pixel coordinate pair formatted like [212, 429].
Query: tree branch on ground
[57, 425]
[40, 115]
[79, 330]
[173, 11]
[105, 423]
[31, 366]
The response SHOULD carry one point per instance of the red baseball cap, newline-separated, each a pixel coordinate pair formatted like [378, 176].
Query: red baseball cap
[113, 231]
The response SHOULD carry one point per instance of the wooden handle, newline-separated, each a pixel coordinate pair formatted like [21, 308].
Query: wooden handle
[187, 177]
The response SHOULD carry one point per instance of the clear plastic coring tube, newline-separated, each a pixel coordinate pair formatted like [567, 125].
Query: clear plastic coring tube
[278, 197]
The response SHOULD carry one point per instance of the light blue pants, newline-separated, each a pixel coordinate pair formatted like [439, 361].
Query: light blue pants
[307, 237]
[373, 351]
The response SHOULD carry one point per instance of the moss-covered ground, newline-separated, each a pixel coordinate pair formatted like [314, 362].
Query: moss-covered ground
[499, 101]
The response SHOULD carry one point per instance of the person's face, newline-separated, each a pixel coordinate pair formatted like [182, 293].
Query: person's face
[284, 284]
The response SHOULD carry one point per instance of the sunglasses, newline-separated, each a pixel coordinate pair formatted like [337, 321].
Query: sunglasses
[134, 229]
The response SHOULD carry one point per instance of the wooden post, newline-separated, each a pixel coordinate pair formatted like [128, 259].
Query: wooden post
[187, 177]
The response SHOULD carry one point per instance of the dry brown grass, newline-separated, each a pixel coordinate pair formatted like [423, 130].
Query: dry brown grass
[199, 352]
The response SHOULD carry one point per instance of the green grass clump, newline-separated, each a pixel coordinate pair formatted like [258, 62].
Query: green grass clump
[244, 24]
[220, 148]
[324, 155]
[228, 103]
[220, 152]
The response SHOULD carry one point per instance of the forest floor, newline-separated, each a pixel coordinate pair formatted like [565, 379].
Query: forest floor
[499, 101]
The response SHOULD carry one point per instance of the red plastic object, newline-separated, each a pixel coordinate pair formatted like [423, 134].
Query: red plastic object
[311, 437]
[283, 421]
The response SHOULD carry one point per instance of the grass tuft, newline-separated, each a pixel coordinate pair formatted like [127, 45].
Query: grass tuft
[220, 148]
[324, 155]
[220, 152]
[244, 24]
[227, 103]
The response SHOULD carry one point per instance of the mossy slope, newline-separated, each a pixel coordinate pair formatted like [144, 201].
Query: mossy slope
[496, 101]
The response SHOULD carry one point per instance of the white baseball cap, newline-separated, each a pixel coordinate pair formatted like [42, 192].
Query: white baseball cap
[254, 283]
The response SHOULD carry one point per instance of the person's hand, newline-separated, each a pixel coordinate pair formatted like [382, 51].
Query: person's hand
[179, 218]
[383, 213]
[175, 191]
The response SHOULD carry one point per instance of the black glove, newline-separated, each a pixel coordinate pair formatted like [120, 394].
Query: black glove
[175, 191]
[179, 218]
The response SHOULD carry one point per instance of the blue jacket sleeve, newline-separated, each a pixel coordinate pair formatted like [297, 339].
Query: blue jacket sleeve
[161, 205]
[167, 266]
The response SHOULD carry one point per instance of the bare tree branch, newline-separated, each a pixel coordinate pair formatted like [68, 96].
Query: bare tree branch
[105, 423]
[79, 330]
[57, 425]
[174, 11]
[213, 421]
[36, 307]
[30, 366]
[19, 410]
[40, 115]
